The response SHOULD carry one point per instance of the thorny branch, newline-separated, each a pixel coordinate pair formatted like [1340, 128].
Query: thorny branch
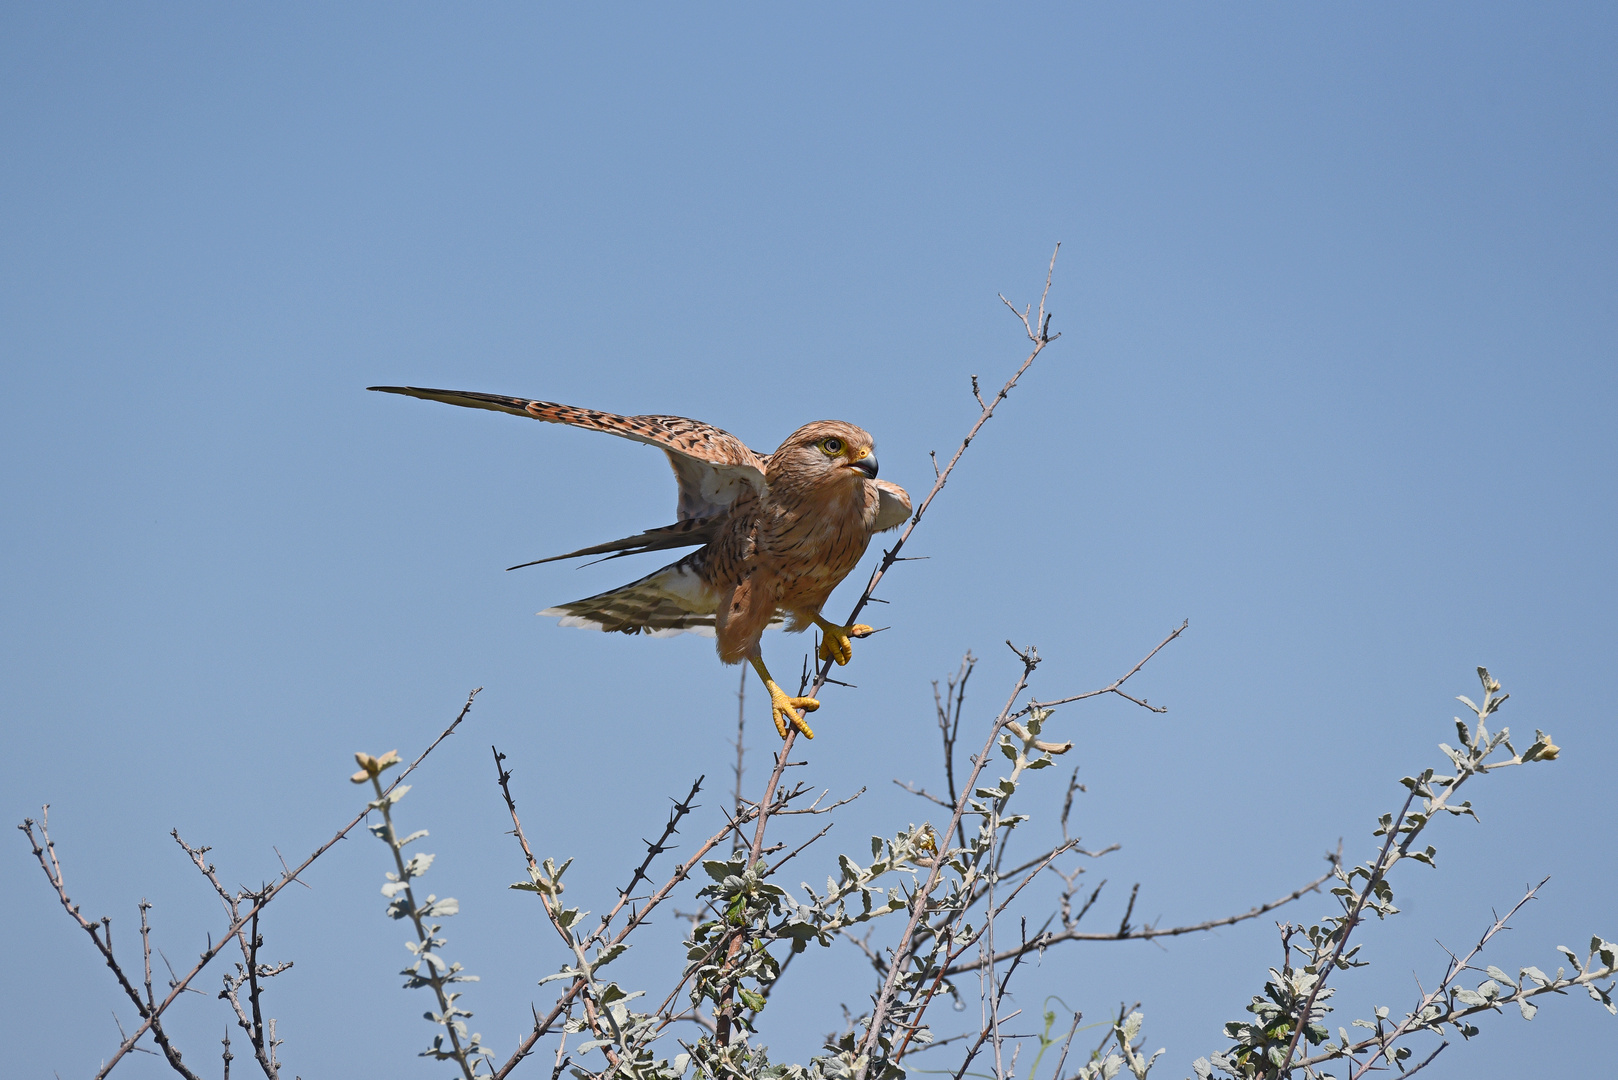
[249, 971]
[918, 904]
[1116, 687]
[44, 850]
[1038, 332]
[1148, 932]
[150, 1014]
[542, 1025]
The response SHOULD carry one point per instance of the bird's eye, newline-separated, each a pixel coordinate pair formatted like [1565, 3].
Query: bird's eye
[832, 446]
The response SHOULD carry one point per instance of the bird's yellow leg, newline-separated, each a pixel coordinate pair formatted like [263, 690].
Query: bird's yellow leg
[784, 709]
[834, 643]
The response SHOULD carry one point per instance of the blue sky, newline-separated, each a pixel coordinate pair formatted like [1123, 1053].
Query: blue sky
[1336, 385]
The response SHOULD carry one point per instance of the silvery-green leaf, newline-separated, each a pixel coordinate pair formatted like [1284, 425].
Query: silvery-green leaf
[1528, 1008]
[609, 955]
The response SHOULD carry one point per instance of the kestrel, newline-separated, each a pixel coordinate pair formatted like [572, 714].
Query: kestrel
[778, 532]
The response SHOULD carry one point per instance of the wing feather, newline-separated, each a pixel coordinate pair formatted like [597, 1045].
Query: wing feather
[893, 506]
[711, 467]
[687, 533]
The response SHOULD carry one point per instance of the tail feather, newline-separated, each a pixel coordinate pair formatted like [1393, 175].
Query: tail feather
[672, 600]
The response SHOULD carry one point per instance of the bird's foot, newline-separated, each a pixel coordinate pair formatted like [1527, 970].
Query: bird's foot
[784, 710]
[835, 643]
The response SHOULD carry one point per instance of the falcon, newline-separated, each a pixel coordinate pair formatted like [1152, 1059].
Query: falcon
[774, 533]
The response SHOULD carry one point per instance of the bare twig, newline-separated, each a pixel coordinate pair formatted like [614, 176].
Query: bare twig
[1147, 933]
[547, 899]
[1038, 333]
[44, 850]
[653, 850]
[949, 724]
[1115, 687]
[924, 793]
[1067, 1042]
[149, 1022]
[249, 942]
[741, 727]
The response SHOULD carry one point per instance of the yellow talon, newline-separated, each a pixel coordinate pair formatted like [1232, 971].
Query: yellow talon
[784, 709]
[834, 641]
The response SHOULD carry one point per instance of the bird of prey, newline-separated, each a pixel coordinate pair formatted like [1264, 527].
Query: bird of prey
[777, 533]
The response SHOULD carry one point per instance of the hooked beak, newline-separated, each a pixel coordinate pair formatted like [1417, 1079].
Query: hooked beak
[866, 465]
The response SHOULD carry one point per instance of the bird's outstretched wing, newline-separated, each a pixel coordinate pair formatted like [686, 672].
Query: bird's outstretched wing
[712, 467]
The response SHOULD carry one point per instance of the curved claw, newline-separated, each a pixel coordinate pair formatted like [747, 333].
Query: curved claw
[835, 644]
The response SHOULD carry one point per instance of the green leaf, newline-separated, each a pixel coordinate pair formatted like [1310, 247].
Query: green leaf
[719, 871]
[752, 999]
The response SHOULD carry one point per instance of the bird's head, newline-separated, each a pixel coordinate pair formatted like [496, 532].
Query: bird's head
[826, 451]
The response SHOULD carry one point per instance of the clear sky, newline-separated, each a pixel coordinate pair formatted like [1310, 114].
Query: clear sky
[1336, 385]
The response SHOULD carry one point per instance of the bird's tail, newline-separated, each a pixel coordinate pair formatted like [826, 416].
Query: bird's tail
[673, 600]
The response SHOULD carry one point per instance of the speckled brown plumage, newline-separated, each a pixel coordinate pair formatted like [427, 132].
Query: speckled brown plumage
[778, 533]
